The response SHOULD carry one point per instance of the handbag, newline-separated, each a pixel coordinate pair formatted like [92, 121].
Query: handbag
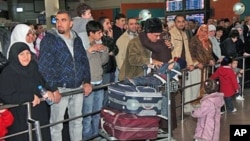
[3, 61]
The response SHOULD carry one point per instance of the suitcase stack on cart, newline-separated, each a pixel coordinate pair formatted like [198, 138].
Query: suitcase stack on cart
[132, 113]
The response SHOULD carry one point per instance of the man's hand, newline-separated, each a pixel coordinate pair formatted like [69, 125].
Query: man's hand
[200, 66]
[36, 100]
[211, 62]
[57, 97]
[190, 67]
[157, 63]
[87, 89]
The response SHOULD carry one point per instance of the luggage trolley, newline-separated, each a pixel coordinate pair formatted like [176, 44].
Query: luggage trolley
[169, 87]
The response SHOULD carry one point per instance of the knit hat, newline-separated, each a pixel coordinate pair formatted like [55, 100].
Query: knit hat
[153, 25]
[211, 27]
[226, 61]
[181, 62]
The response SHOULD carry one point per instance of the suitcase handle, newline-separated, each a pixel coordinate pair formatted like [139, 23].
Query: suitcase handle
[138, 90]
[137, 87]
[147, 107]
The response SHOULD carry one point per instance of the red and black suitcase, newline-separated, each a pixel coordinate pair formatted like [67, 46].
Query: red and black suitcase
[125, 126]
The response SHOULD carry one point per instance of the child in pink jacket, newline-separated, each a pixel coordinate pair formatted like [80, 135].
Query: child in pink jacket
[208, 114]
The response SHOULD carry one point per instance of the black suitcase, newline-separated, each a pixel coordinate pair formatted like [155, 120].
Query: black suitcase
[139, 100]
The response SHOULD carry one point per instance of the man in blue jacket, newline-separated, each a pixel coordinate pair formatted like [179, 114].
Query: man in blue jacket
[64, 65]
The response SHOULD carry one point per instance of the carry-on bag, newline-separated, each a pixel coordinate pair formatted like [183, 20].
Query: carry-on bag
[139, 100]
[125, 126]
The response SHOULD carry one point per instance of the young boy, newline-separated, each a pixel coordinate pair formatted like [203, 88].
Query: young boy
[98, 55]
[238, 73]
[160, 76]
[228, 82]
[84, 15]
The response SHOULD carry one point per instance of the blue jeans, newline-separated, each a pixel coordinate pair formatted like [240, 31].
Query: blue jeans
[92, 103]
[164, 105]
[152, 80]
[229, 103]
[57, 114]
[107, 78]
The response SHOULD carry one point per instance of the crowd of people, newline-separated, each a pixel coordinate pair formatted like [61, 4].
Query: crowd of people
[84, 52]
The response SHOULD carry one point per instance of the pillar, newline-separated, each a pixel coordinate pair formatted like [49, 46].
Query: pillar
[51, 8]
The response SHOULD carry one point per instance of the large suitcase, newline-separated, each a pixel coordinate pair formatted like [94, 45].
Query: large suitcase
[139, 100]
[125, 126]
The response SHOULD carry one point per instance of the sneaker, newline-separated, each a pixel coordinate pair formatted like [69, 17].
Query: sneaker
[176, 78]
[239, 98]
[222, 112]
[234, 110]
[176, 71]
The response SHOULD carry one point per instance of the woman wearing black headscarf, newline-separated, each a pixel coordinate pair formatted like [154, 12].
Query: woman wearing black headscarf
[18, 84]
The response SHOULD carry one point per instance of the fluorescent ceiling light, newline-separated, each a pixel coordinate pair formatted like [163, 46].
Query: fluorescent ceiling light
[19, 9]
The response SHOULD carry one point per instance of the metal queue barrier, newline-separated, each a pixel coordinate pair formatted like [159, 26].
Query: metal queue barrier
[183, 86]
[36, 124]
[37, 128]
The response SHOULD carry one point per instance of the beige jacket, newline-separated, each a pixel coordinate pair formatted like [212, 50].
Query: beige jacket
[176, 40]
[122, 43]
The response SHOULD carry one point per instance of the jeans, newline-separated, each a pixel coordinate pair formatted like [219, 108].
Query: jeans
[229, 103]
[92, 103]
[164, 105]
[164, 69]
[107, 78]
[153, 80]
[73, 103]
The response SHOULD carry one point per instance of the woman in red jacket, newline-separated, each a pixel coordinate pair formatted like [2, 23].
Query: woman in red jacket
[6, 119]
[228, 82]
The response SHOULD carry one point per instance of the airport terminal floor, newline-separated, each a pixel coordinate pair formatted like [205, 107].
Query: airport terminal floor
[185, 129]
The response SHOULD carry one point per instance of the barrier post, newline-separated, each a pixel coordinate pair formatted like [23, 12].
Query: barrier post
[29, 117]
[184, 77]
[243, 76]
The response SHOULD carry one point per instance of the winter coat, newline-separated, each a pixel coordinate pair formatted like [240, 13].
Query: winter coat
[57, 65]
[208, 114]
[228, 81]
[159, 49]
[111, 65]
[177, 38]
[4, 40]
[228, 48]
[122, 44]
[6, 119]
[18, 84]
[117, 32]
[199, 53]
[136, 56]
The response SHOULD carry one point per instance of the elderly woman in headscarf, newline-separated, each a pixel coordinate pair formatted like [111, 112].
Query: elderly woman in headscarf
[19, 84]
[23, 33]
[201, 53]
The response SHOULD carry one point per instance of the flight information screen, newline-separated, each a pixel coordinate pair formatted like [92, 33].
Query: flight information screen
[197, 17]
[174, 5]
[194, 4]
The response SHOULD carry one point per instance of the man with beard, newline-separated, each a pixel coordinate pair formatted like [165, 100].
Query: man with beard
[138, 54]
[64, 65]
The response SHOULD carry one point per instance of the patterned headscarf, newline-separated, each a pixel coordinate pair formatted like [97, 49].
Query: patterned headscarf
[202, 36]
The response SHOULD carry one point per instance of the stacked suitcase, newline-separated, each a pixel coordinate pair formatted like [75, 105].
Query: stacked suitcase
[131, 113]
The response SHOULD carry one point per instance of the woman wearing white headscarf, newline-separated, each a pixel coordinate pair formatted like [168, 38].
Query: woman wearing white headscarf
[22, 33]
